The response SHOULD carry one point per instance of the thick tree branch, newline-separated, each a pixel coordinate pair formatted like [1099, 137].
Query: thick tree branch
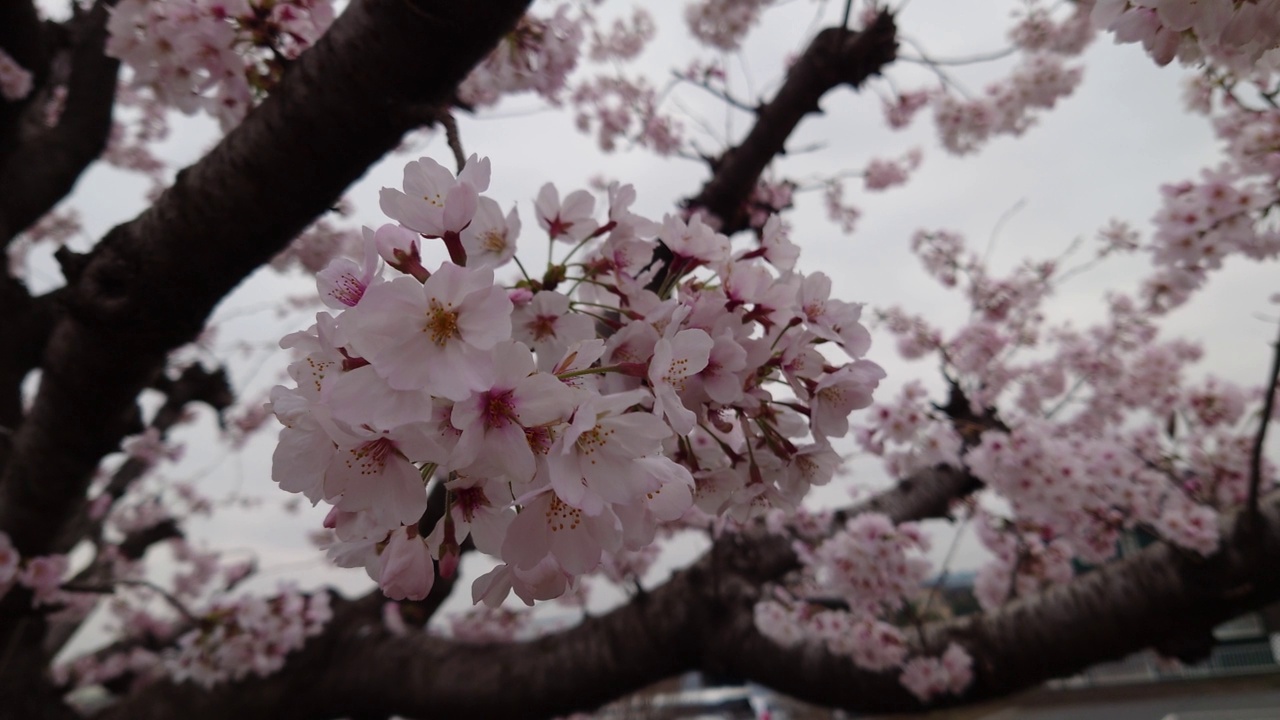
[658, 634]
[835, 57]
[149, 285]
[702, 619]
[42, 168]
[194, 384]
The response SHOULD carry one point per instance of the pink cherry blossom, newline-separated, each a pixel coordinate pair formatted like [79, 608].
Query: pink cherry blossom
[434, 202]
[674, 360]
[511, 402]
[570, 221]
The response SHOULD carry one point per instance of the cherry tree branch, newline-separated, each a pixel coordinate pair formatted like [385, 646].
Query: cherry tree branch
[150, 284]
[1260, 442]
[702, 619]
[194, 384]
[835, 57]
[22, 39]
[43, 168]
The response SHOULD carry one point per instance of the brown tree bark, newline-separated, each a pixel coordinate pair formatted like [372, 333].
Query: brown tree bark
[149, 285]
[702, 619]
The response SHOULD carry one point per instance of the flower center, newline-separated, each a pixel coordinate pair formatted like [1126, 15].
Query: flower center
[561, 516]
[469, 500]
[371, 457]
[442, 323]
[499, 409]
[494, 242]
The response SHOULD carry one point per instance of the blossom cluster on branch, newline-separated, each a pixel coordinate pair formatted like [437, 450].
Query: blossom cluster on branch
[213, 55]
[567, 416]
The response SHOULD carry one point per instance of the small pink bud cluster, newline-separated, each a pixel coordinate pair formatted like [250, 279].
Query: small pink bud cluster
[883, 174]
[874, 570]
[249, 635]
[41, 575]
[213, 55]
[1009, 106]
[621, 108]
[566, 417]
[722, 24]
[1007, 109]
[538, 56]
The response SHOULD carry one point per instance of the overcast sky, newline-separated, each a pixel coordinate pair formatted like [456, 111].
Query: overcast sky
[1102, 154]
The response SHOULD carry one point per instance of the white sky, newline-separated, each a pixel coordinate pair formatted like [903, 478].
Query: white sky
[1101, 154]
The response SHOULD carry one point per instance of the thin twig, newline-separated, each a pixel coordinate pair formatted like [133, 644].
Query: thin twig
[450, 125]
[995, 231]
[722, 95]
[111, 588]
[970, 60]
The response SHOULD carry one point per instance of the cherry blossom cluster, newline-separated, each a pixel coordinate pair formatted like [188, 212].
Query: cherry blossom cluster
[565, 418]
[1086, 435]
[866, 572]
[1008, 107]
[538, 55]
[883, 174]
[42, 578]
[1233, 33]
[1227, 210]
[15, 81]
[910, 435]
[625, 39]
[1038, 30]
[929, 677]
[247, 635]
[541, 54]
[1086, 491]
[624, 108]
[213, 55]
[1025, 560]
[722, 24]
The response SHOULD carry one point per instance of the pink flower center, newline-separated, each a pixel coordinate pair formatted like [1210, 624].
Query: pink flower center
[469, 500]
[348, 290]
[499, 409]
[594, 439]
